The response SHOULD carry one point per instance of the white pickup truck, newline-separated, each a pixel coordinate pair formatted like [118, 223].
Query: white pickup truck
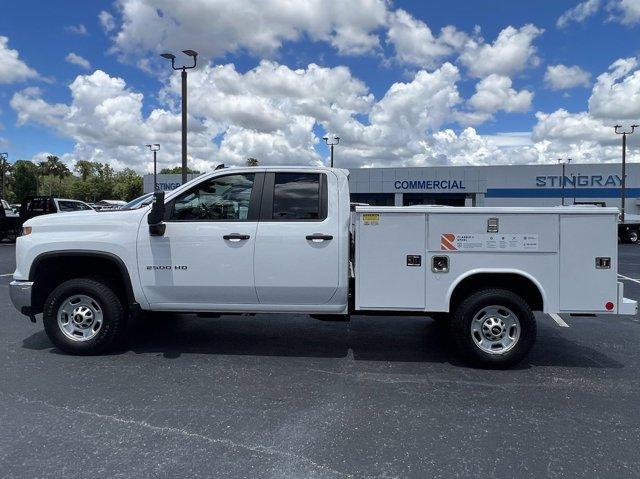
[285, 240]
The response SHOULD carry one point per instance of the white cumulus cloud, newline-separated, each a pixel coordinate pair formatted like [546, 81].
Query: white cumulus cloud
[415, 44]
[78, 29]
[76, 59]
[562, 77]
[217, 27]
[508, 55]
[588, 136]
[626, 12]
[279, 114]
[107, 21]
[105, 120]
[616, 93]
[495, 93]
[12, 68]
[579, 13]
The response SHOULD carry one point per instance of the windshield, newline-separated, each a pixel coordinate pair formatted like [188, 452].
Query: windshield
[139, 202]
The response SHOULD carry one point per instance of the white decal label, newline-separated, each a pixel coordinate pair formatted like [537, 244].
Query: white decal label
[488, 242]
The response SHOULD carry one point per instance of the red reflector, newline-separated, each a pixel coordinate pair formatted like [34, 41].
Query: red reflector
[609, 305]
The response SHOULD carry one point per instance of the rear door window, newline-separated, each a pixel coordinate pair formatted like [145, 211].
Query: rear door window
[297, 196]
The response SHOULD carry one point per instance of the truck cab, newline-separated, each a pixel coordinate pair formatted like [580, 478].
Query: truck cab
[251, 240]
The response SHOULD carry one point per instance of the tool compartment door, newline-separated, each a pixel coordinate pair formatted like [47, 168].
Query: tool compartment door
[583, 238]
[389, 247]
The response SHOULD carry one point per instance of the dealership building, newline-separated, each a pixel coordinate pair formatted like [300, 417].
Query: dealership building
[521, 185]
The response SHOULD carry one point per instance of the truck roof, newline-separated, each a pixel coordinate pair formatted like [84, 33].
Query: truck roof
[253, 169]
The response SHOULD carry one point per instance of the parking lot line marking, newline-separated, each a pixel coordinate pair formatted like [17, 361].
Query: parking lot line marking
[559, 321]
[629, 279]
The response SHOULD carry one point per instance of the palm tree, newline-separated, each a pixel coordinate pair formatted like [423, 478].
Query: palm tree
[43, 170]
[252, 162]
[56, 168]
[84, 168]
[62, 171]
[52, 163]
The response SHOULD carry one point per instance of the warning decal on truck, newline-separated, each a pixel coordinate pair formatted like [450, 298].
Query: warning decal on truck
[371, 218]
[488, 242]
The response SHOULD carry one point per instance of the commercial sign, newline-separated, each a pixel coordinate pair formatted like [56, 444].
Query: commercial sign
[168, 185]
[546, 181]
[429, 185]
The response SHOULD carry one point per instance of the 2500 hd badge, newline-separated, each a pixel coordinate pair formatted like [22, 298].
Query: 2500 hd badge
[166, 267]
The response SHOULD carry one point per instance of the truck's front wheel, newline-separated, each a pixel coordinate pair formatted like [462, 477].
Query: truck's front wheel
[494, 328]
[83, 316]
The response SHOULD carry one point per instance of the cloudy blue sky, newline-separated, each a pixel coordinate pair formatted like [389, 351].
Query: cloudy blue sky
[401, 82]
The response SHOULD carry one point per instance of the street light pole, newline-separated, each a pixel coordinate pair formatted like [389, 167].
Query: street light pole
[155, 147]
[331, 144]
[170, 56]
[562, 180]
[3, 159]
[623, 191]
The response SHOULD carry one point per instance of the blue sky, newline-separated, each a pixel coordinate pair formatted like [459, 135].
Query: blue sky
[482, 94]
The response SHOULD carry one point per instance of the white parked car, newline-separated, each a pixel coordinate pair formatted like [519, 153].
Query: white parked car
[284, 240]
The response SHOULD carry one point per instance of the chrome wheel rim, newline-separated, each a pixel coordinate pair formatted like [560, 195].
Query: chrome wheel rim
[80, 317]
[495, 329]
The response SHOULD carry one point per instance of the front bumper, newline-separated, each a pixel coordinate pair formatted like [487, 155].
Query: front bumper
[20, 293]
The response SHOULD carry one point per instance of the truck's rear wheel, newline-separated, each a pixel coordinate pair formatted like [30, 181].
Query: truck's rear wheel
[494, 328]
[83, 316]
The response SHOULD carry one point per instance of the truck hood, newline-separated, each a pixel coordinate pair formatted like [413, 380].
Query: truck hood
[84, 218]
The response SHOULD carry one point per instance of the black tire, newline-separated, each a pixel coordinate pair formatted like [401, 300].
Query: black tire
[464, 315]
[110, 306]
[632, 236]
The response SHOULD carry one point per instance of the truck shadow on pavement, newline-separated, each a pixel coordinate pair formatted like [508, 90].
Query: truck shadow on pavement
[378, 338]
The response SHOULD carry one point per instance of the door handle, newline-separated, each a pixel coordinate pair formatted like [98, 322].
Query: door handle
[319, 237]
[235, 237]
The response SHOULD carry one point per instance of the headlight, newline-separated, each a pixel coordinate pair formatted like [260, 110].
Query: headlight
[26, 230]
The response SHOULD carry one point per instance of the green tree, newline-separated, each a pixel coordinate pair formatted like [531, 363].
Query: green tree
[176, 170]
[43, 172]
[252, 162]
[82, 190]
[55, 168]
[85, 169]
[62, 172]
[100, 185]
[53, 163]
[127, 185]
[24, 180]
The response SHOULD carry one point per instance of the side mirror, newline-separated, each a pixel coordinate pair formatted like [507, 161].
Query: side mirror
[156, 215]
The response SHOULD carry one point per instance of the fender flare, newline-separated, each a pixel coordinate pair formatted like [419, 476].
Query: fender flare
[473, 272]
[131, 300]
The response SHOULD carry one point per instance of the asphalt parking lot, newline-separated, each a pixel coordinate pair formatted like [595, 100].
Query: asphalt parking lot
[289, 396]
